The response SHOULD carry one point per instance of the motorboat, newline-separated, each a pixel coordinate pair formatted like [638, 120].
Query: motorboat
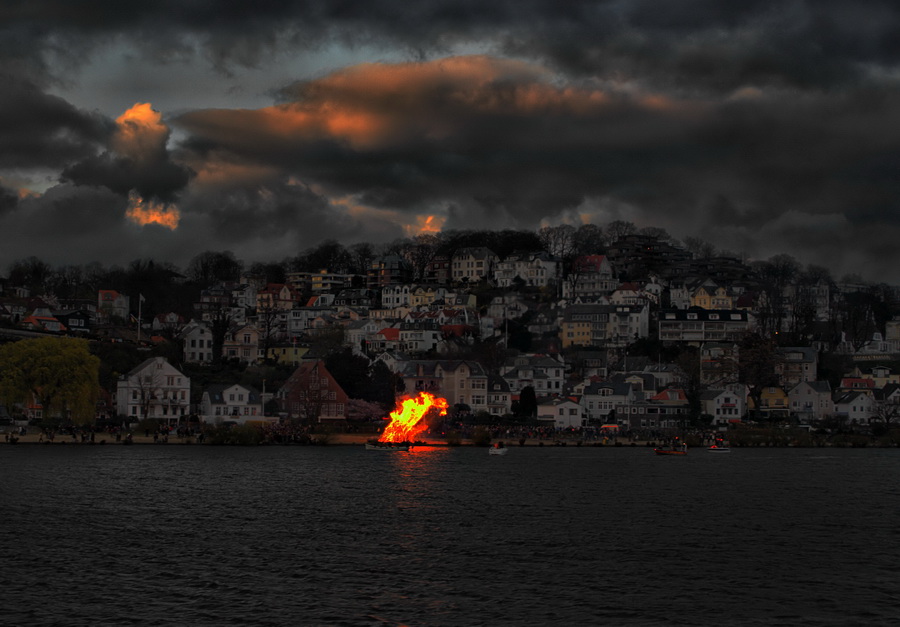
[677, 449]
[498, 449]
[719, 447]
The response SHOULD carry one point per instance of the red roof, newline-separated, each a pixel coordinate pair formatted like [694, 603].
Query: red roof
[854, 382]
[671, 395]
[391, 333]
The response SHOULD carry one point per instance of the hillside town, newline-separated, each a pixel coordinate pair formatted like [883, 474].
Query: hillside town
[588, 329]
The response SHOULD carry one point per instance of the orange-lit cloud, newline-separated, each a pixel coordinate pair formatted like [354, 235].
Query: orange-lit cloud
[143, 212]
[379, 105]
[222, 173]
[424, 225]
[140, 133]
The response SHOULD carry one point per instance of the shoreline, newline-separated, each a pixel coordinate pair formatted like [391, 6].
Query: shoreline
[342, 439]
[348, 439]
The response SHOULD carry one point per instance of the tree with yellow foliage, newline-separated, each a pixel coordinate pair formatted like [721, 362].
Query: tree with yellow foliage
[58, 373]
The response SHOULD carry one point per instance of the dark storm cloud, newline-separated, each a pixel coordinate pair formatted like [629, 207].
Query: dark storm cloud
[261, 211]
[691, 44]
[763, 126]
[40, 130]
[506, 142]
[138, 159]
[8, 200]
[66, 224]
[158, 178]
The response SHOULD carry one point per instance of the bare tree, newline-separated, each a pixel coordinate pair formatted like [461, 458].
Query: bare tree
[618, 229]
[588, 240]
[857, 318]
[559, 241]
[775, 276]
[267, 326]
[691, 380]
[757, 366]
[887, 413]
[209, 267]
[361, 256]
[419, 252]
[220, 321]
[700, 249]
[656, 232]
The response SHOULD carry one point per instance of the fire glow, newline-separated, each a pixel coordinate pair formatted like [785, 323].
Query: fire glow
[407, 419]
[152, 212]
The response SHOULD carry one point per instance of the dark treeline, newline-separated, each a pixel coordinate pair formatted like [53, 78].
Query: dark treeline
[168, 288]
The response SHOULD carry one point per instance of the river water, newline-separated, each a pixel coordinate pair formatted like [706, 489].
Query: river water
[337, 535]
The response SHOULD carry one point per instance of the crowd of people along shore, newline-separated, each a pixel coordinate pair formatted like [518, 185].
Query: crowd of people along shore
[452, 432]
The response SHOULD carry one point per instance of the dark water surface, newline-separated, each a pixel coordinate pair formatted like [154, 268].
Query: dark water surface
[191, 535]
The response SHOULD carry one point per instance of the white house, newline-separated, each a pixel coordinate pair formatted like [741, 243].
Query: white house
[112, 304]
[499, 397]
[855, 407]
[242, 343]
[197, 341]
[811, 400]
[600, 400]
[562, 413]
[473, 264]
[725, 405]
[534, 269]
[235, 403]
[591, 276]
[542, 372]
[154, 389]
[397, 295]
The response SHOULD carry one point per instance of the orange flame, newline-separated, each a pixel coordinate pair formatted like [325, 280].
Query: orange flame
[152, 212]
[407, 418]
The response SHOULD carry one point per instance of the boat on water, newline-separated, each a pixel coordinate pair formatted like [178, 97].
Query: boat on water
[677, 449]
[498, 449]
[375, 445]
[719, 447]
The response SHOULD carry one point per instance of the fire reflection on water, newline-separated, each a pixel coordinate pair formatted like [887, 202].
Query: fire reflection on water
[419, 477]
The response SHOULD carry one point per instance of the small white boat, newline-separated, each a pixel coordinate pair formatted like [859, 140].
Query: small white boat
[719, 449]
[498, 449]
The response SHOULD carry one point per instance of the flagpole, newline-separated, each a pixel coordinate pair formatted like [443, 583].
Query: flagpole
[140, 302]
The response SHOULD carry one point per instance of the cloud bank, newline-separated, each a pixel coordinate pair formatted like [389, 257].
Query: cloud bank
[763, 128]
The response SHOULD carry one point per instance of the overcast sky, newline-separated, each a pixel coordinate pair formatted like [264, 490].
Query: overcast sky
[163, 129]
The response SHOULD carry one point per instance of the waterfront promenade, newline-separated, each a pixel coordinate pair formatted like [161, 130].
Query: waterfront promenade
[106, 439]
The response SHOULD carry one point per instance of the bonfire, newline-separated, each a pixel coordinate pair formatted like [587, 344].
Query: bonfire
[408, 418]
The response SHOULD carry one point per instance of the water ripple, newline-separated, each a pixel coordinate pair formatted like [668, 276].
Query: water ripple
[274, 536]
